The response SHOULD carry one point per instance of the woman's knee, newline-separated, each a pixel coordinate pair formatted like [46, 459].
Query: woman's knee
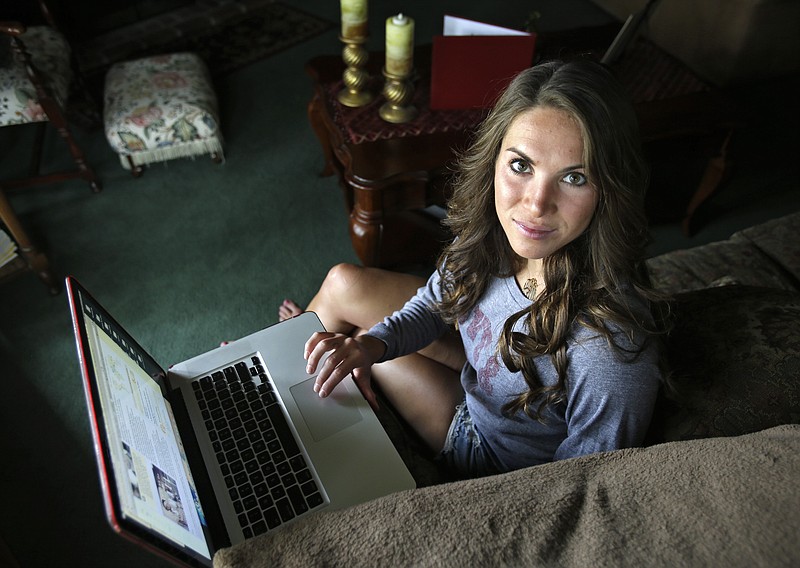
[361, 296]
[342, 280]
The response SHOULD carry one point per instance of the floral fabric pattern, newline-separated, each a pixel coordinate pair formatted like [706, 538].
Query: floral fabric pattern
[50, 54]
[161, 107]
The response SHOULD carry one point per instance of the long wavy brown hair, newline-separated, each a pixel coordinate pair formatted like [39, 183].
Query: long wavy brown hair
[592, 281]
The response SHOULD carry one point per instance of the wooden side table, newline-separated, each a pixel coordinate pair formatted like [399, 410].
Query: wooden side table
[388, 173]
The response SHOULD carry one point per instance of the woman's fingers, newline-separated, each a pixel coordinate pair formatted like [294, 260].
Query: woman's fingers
[312, 354]
[330, 375]
[344, 356]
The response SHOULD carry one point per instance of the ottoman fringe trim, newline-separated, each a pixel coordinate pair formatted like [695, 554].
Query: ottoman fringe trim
[183, 150]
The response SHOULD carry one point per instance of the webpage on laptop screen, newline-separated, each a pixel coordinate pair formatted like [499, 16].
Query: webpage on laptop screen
[150, 467]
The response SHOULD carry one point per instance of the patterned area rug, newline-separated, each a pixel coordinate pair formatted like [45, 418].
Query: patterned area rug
[228, 35]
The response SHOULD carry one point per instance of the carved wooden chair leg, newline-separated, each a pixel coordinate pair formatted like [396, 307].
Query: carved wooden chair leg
[36, 260]
[59, 122]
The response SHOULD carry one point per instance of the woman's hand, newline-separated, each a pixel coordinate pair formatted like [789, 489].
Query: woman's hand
[347, 355]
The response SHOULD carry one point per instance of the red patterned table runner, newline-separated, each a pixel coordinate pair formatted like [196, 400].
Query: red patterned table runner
[365, 125]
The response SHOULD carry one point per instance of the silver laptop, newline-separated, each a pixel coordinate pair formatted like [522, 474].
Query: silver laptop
[225, 446]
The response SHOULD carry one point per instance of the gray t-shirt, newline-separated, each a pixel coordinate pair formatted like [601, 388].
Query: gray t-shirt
[610, 396]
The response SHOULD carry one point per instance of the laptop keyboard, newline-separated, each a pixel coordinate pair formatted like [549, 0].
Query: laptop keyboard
[265, 472]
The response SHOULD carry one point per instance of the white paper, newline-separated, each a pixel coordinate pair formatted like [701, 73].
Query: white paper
[454, 26]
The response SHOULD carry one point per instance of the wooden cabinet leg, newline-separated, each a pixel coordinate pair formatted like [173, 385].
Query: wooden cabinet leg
[366, 235]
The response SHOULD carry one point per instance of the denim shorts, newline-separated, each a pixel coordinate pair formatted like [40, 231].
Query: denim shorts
[465, 451]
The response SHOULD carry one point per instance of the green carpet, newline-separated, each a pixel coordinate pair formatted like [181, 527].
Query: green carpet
[190, 254]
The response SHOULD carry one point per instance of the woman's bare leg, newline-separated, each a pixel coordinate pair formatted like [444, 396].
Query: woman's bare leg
[424, 388]
[353, 298]
[424, 392]
[357, 297]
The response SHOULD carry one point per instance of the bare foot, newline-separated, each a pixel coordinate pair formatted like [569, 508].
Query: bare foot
[288, 309]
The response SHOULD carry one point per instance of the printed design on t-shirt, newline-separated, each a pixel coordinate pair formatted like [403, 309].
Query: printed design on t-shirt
[483, 352]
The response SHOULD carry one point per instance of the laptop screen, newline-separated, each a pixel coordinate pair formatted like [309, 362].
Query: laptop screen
[146, 473]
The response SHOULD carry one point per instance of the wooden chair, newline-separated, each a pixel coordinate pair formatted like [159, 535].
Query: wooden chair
[30, 258]
[36, 74]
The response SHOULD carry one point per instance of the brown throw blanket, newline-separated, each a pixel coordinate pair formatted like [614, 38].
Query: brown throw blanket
[719, 501]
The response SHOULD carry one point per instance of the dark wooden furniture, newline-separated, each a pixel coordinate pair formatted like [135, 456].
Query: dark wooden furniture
[52, 108]
[391, 173]
[30, 258]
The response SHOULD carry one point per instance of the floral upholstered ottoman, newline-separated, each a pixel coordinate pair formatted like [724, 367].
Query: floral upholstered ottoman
[160, 108]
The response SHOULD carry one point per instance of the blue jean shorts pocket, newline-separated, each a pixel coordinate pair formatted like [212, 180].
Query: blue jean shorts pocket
[465, 451]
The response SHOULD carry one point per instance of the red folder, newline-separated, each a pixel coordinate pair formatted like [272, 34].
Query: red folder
[472, 71]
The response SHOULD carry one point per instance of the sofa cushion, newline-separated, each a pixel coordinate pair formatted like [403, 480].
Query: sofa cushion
[777, 240]
[713, 502]
[762, 255]
[735, 354]
[726, 262]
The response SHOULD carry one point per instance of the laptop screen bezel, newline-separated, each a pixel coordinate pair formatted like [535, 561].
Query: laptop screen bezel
[123, 525]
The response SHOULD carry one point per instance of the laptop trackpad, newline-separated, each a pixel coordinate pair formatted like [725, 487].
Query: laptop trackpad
[325, 416]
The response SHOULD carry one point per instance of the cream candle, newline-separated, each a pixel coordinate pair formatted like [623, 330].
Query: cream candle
[354, 18]
[399, 45]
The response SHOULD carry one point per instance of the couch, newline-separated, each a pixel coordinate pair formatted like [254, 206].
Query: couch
[717, 482]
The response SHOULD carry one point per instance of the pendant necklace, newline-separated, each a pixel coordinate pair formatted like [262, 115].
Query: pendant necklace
[529, 288]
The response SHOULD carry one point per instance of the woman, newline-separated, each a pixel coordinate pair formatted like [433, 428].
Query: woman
[556, 353]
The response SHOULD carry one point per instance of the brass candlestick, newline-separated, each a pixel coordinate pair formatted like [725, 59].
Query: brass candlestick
[398, 90]
[355, 78]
